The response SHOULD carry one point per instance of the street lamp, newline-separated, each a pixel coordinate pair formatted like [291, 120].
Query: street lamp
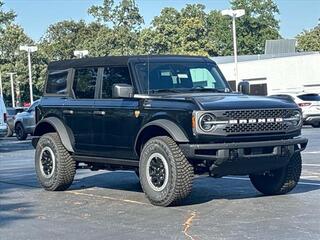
[29, 49]
[81, 53]
[234, 14]
[12, 90]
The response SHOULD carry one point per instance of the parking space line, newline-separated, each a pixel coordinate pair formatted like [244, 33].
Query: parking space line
[311, 165]
[247, 179]
[312, 152]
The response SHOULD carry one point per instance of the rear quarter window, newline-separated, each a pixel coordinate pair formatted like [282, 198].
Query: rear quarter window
[309, 97]
[57, 82]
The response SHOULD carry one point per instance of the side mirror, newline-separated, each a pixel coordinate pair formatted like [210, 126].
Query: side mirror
[244, 87]
[122, 90]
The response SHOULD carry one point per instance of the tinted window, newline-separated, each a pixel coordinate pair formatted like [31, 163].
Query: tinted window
[113, 75]
[310, 97]
[57, 82]
[85, 82]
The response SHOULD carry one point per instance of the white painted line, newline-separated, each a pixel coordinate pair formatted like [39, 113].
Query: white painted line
[247, 179]
[313, 152]
[311, 164]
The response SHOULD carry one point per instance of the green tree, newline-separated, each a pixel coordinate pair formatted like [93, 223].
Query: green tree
[5, 17]
[309, 40]
[125, 21]
[257, 25]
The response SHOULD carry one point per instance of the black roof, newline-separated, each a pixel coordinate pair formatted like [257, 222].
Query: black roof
[120, 61]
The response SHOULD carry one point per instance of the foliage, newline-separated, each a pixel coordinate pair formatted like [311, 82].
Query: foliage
[309, 40]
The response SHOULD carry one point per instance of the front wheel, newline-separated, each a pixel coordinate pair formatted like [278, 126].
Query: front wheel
[279, 181]
[54, 165]
[165, 173]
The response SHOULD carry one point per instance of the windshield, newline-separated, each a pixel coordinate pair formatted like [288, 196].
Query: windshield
[180, 77]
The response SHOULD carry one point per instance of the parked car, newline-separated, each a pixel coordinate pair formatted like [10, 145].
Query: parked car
[24, 122]
[167, 117]
[3, 119]
[308, 102]
[11, 115]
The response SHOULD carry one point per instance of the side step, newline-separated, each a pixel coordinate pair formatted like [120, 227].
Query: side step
[113, 161]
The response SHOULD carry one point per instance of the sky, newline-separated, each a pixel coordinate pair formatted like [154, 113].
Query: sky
[36, 15]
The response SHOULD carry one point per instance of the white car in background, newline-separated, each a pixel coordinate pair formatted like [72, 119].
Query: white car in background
[3, 119]
[308, 102]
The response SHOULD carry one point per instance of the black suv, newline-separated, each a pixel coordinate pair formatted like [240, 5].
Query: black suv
[167, 118]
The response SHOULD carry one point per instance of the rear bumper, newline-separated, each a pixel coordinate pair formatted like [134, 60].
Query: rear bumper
[245, 157]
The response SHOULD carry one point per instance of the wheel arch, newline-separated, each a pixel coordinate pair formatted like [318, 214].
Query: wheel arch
[53, 124]
[160, 127]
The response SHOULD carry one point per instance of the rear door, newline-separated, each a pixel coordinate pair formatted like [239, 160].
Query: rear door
[78, 111]
[115, 124]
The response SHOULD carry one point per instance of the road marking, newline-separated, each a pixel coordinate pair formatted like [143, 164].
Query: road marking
[105, 197]
[247, 179]
[311, 165]
[312, 152]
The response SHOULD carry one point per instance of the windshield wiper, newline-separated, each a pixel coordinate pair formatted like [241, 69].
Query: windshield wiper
[164, 90]
[206, 90]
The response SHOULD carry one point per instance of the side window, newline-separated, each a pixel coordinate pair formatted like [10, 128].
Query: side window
[57, 82]
[85, 82]
[113, 75]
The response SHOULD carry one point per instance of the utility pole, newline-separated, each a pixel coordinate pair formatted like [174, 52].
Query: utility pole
[11, 74]
[1, 90]
[29, 49]
[234, 14]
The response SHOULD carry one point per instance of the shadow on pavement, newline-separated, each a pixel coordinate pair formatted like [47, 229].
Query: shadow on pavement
[204, 189]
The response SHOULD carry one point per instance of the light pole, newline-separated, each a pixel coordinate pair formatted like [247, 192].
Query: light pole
[234, 14]
[81, 53]
[1, 90]
[12, 89]
[29, 49]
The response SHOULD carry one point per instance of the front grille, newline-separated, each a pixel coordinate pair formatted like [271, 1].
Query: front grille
[257, 127]
[262, 113]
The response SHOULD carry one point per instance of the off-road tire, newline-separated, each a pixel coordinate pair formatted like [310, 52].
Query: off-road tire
[279, 181]
[20, 132]
[65, 166]
[180, 174]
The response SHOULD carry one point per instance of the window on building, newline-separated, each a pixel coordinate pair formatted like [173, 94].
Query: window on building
[111, 76]
[57, 82]
[85, 82]
[259, 89]
[233, 85]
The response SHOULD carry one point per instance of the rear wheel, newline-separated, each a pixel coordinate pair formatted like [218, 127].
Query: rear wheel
[54, 165]
[279, 181]
[165, 173]
[20, 132]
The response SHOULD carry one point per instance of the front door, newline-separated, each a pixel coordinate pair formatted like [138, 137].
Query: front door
[78, 112]
[115, 121]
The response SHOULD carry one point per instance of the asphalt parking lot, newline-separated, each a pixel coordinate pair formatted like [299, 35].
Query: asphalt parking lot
[111, 205]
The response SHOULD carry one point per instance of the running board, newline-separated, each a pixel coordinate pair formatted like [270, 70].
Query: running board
[114, 161]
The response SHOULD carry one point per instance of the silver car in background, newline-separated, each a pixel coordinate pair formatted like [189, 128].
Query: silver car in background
[25, 122]
[3, 119]
[309, 104]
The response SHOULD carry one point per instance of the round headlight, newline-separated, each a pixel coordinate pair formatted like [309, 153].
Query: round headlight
[206, 122]
[297, 118]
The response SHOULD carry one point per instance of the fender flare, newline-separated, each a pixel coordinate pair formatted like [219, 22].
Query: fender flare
[64, 132]
[173, 130]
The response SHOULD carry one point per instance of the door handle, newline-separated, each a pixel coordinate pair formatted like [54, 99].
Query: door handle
[101, 113]
[70, 112]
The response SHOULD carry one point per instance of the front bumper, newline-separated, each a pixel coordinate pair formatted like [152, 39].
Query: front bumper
[245, 157]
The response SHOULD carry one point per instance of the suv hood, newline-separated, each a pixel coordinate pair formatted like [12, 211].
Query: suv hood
[222, 101]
